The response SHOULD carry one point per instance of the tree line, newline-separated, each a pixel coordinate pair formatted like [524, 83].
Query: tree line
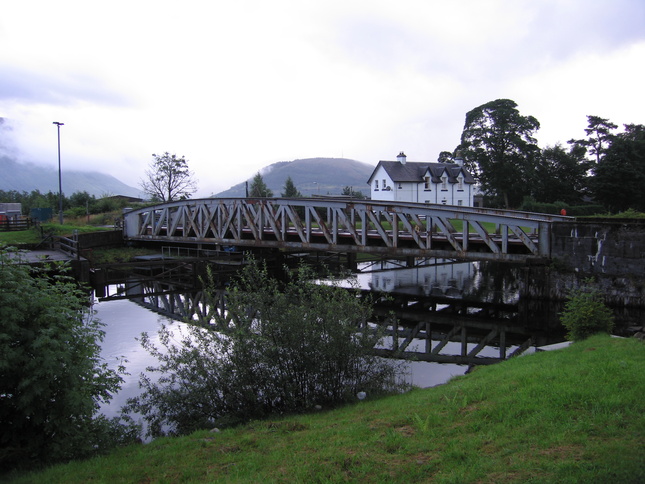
[498, 146]
[76, 205]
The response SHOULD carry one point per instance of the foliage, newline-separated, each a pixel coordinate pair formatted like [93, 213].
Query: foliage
[560, 175]
[290, 190]
[78, 204]
[286, 348]
[599, 136]
[259, 188]
[445, 157]
[168, 178]
[570, 416]
[52, 379]
[530, 205]
[619, 177]
[585, 313]
[498, 145]
[350, 192]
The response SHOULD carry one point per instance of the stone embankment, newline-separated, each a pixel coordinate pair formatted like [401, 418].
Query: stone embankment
[611, 252]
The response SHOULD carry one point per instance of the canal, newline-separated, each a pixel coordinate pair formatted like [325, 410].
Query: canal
[477, 298]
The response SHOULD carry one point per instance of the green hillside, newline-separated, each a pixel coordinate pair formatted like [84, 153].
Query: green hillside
[312, 176]
[25, 177]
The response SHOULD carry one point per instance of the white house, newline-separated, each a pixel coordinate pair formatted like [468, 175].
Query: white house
[405, 181]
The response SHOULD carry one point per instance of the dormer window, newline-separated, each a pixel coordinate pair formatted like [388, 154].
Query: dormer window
[460, 182]
[444, 183]
[426, 183]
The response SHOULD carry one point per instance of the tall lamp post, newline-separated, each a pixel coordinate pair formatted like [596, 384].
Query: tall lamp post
[60, 178]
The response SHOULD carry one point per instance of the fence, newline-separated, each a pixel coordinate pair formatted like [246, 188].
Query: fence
[14, 224]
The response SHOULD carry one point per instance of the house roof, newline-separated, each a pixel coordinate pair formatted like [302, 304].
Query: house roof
[413, 171]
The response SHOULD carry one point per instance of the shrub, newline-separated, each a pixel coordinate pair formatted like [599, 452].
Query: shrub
[280, 347]
[52, 380]
[585, 313]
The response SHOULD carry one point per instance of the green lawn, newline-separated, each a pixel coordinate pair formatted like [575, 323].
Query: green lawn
[573, 415]
[33, 235]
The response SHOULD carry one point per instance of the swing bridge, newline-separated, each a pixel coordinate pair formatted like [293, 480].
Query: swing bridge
[344, 225]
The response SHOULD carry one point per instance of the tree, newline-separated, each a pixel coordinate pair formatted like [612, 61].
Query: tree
[585, 313]
[52, 379]
[259, 188]
[599, 136]
[350, 192]
[169, 179]
[445, 157]
[498, 147]
[290, 190]
[560, 175]
[285, 347]
[619, 176]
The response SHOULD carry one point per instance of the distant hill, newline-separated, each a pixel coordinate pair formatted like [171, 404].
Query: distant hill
[312, 176]
[25, 177]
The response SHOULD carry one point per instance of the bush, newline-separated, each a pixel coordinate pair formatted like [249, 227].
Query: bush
[52, 380]
[585, 313]
[278, 348]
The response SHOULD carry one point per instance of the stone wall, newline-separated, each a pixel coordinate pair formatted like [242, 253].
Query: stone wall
[610, 251]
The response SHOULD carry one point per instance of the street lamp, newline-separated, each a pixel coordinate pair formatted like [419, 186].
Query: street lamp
[60, 178]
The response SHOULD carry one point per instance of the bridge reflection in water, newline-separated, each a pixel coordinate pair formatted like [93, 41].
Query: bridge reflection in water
[466, 313]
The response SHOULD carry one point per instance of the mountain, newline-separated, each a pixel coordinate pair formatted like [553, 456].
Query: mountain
[25, 177]
[311, 176]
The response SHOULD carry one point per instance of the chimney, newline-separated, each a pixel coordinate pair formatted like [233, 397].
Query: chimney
[458, 160]
[401, 158]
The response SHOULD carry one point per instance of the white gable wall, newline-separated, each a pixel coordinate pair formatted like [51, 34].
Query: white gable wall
[380, 181]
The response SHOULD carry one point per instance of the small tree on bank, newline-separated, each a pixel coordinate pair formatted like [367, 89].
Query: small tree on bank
[286, 348]
[585, 313]
[168, 179]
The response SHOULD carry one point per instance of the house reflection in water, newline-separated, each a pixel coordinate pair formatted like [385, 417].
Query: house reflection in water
[444, 278]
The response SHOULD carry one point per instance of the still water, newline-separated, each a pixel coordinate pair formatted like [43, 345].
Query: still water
[125, 319]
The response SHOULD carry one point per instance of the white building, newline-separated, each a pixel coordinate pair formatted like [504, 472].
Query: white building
[404, 181]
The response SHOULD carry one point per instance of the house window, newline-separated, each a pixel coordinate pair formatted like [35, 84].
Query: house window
[444, 181]
[460, 202]
[400, 186]
[460, 183]
[375, 184]
[384, 184]
[426, 181]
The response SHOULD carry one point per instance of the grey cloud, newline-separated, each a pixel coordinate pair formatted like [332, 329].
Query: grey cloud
[24, 85]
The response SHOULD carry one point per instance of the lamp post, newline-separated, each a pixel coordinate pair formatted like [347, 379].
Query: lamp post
[60, 178]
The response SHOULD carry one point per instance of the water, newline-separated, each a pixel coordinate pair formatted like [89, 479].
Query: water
[125, 320]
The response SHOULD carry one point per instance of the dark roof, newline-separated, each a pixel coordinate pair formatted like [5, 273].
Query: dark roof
[413, 171]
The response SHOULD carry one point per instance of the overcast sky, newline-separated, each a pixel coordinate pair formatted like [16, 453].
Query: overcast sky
[236, 85]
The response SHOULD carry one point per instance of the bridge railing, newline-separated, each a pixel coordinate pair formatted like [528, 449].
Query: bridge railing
[348, 225]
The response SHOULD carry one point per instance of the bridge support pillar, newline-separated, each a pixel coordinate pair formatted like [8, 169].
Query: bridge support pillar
[351, 262]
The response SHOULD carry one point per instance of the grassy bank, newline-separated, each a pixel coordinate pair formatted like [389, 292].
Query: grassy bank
[572, 415]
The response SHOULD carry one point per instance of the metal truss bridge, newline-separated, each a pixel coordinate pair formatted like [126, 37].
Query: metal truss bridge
[347, 225]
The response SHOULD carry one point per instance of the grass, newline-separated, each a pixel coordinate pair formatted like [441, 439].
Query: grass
[572, 415]
[34, 235]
